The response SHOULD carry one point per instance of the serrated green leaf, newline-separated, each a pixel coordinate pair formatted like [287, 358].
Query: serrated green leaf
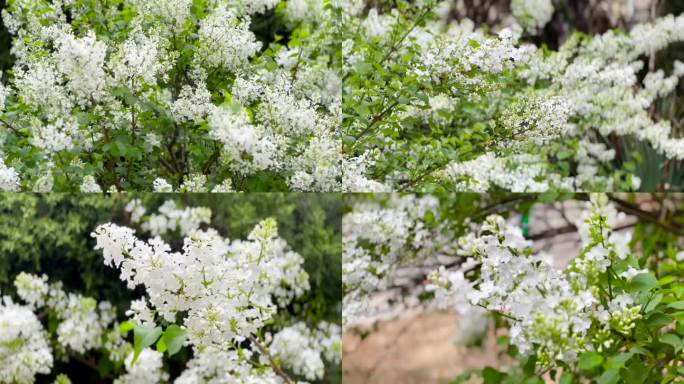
[143, 337]
[589, 360]
[610, 376]
[642, 282]
[174, 337]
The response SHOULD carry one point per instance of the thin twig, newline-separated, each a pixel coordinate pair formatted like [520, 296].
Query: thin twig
[276, 368]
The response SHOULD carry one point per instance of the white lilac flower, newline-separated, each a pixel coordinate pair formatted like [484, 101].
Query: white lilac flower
[90, 185]
[9, 178]
[174, 11]
[24, 349]
[4, 92]
[377, 25]
[225, 40]
[354, 177]
[81, 326]
[215, 366]
[226, 290]
[79, 87]
[82, 320]
[247, 145]
[82, 60]
[32, 289]
[224, 187]
[533, 15]
[299, 351]
[161, 185]
[136, 209]
[304, 10]
[377, 239]
[139, 61]
[193, 104]
[45, 183]
[170, 217]
[519, 173]
[549, 310]
[148, 368]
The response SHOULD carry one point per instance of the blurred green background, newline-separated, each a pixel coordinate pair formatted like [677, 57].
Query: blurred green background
[50, 234]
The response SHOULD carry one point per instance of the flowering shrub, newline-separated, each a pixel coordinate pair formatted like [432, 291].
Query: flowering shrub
[171, 96]
[226, 303]
[612, 314]
[434, 103]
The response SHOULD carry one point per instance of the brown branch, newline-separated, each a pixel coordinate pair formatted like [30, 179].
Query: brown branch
[212, 160]
[276, 368]
[397, 43]
[11, 127]
[634, 209]
[377, 118]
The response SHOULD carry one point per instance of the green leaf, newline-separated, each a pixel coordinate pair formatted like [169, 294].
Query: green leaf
[666, 280]
[143, 337]
[491, 376]
[673, 340]
[610, 376]
[126, 327]
[642, 282]
[653, 303]
[548, 197]
[562, 155]
[589, 360]
[566, 378]
[619, 360]
[363, 68]
[161, 345]
[174, 337]
[636, 373]
[363, 110]
[676, 305]
[658, 319]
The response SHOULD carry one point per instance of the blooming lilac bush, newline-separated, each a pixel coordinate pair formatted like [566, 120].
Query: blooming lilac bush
[611, 313]
[222, 302]
[171, 96]
[433, 102]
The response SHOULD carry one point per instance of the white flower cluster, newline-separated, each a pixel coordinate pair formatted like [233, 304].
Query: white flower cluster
[533, 15]
[81, 326]
[78, 87]
[170, 217]
[139, 61]
[379, 237]
[225, 40]
[247, 146]
[302, 349]
[146, 369]
[518, 173]
[225, 290]
[550, 311]
[355, 179]
[90, 185]
[9, 178]
[217, 366]
[24, 348]
[81, 61]
[192, 183]
[82, 321]
[531, 101]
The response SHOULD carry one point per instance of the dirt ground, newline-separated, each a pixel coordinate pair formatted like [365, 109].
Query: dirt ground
[415, 348]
